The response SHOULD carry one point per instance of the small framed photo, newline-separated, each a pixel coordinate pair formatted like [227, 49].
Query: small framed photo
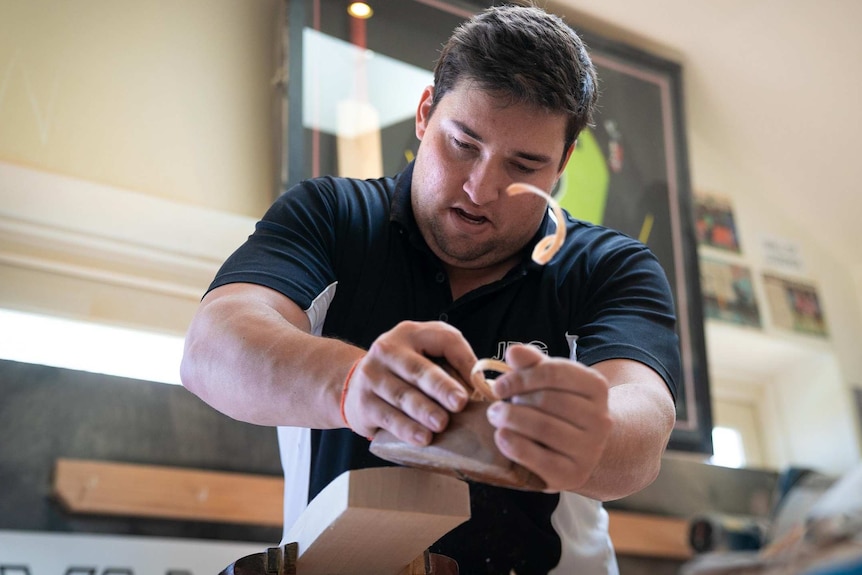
[794, 305]
[728, 293]
[715, 224]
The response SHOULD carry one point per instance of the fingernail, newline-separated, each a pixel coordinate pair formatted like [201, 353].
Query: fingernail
[499, 387]
[436, 422]
[422, 437]
[456, 399]
[494, 412]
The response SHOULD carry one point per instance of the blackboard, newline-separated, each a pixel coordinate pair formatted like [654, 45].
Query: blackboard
[47, 413]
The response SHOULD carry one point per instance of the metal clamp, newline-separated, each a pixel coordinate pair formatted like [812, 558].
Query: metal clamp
[274, 561]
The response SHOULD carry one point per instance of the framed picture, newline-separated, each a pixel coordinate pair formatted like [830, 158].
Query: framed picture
[728, 293]
[714, 223]
[794, 305]
[352, 94]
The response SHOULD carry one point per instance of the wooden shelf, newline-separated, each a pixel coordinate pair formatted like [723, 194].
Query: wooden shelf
[97, 487]
[645, 535]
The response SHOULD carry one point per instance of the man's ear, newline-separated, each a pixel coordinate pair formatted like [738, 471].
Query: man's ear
[423, 112]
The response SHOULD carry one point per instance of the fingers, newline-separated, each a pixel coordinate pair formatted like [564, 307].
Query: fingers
[562, 452]
[533, 371]
[378, 399]
[419, 372]
[560, 432]
[554, 419]
[559, 471]
[397, 386]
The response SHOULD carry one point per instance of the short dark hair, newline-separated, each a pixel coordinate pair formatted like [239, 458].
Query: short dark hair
[525, 54]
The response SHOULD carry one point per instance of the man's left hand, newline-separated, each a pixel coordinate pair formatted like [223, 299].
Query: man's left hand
[555, 421]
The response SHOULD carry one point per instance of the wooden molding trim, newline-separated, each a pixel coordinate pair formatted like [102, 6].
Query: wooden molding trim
[83, 229]
[97, 487]
[646, 535]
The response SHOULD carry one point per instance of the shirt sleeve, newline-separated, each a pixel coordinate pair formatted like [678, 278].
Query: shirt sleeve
[291, 249]
[628, 310]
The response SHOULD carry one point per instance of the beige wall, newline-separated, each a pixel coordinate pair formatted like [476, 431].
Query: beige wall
[171, 99]
[806, 389]
[138, 145]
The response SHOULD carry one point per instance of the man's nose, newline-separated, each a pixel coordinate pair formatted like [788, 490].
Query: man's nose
[485, 183]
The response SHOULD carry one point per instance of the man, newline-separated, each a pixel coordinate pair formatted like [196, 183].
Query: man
[336, 312]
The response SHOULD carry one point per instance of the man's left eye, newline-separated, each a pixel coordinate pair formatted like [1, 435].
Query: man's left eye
[524, 169]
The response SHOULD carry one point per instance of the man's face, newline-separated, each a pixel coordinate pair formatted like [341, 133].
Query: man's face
[471, 149]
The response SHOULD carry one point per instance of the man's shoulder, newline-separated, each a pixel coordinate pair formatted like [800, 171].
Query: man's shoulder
[339, 186]
[594, 241]
[335, 198]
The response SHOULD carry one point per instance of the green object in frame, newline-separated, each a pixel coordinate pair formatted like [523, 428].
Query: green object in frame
[583, 188]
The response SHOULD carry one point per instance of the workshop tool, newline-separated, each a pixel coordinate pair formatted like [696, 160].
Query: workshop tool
[282, 561]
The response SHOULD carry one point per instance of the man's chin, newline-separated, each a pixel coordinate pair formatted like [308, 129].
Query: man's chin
[474, 259]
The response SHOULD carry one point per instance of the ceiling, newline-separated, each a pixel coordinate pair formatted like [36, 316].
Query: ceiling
[773, 88]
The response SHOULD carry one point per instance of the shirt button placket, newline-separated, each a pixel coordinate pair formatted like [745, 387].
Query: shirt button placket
[440, 278]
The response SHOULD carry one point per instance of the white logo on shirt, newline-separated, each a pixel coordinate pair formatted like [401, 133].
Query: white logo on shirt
[502, 346]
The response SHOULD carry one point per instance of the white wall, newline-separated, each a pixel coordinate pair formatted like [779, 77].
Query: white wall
[817, 418]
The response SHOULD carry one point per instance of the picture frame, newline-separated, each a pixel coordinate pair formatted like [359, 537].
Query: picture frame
[794, 305]
[637, 148]
[715, 223]
[728, 293]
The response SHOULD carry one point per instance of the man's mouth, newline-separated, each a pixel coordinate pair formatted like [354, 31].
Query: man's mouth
[474, 219]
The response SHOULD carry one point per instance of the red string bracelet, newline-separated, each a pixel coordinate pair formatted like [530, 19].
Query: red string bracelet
[344, 391]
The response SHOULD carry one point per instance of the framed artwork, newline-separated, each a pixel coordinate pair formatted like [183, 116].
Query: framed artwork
[352, 95]
[794, 305]
[715, 224]
[728, 293]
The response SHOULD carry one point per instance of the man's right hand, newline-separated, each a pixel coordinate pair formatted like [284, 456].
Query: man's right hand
[398, 386]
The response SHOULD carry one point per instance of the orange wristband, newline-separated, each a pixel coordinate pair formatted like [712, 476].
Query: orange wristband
[344, 391]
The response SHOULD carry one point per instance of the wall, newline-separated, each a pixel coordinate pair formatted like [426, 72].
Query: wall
[172, 99]
[138, 144]
[802, 384]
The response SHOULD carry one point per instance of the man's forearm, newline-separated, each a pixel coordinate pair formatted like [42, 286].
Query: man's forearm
[643, 417]
[248, 361]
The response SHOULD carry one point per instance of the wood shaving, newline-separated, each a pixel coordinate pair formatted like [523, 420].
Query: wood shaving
[548, 246]
[482, 389]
